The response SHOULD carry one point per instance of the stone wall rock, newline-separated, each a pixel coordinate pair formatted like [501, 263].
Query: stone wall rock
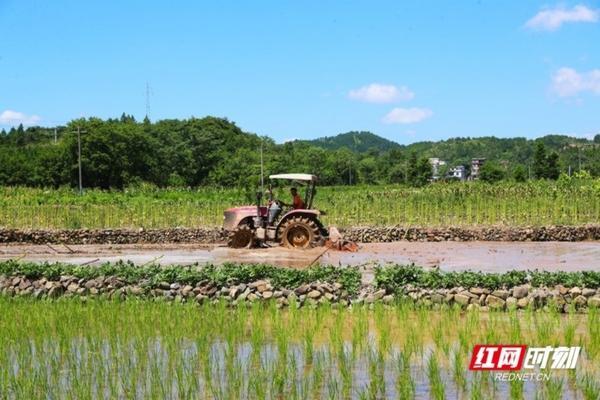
[113, 236]
[357, 234]
[312, 294]
[462, 234]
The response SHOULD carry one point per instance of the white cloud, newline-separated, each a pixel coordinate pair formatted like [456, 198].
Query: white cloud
[552, 18]
[568, 82]
[407, 115]
[10, 117]
[381, 93]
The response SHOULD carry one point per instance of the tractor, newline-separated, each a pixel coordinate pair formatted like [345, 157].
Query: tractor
[276, 222]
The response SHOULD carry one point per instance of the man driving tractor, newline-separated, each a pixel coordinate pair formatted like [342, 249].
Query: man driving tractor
[297, 202]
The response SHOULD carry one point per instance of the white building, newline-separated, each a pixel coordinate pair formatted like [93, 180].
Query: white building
[436, 163]
[459, 172]
[476, 164]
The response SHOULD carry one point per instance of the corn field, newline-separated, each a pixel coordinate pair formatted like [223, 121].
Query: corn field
[570, 202]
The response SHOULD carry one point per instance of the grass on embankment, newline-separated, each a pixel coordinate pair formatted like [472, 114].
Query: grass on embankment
[392, 278]
[565, 202]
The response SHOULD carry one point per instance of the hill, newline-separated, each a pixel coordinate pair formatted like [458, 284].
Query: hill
[359, 142]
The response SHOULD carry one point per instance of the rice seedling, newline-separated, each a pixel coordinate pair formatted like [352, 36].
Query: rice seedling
[516, 389]
[590, 387]
[405, 385]
[68, 348]
[437, 390]
[554, 389]
[459, 370]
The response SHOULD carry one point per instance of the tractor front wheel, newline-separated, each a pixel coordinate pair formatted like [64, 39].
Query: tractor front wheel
[300, 233]
[242, 237]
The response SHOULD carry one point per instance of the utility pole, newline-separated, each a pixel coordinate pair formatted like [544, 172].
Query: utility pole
[262, 169]
[55, 136]
[79, 132]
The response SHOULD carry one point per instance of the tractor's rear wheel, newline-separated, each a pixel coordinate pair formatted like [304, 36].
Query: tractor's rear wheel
[241, 237]
[300, 233]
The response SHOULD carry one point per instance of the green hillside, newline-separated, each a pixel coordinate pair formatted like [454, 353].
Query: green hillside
[210, 151]
[356, 141]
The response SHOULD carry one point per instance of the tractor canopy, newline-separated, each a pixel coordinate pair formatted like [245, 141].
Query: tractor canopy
[295, 177]
[307, 180]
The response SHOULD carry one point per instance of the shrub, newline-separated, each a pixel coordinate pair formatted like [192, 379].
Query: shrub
[395, 278]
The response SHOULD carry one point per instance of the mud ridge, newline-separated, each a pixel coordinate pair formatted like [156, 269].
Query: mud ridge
[358, 234]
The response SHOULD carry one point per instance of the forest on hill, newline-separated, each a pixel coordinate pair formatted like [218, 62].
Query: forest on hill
[215, 152]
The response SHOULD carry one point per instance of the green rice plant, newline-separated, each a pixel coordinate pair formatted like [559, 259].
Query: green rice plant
[375, 367]
[554, 388]
[458, 370]
[590, 387]
[405, 385]
[308, 338]
[593, 326]
[170, 350]
[439, 337]
[476, 387]
[437, 390]
[318, 371]
[516, 389]
[515, 335]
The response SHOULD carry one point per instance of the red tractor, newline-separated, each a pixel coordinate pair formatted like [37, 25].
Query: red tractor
[276, 221]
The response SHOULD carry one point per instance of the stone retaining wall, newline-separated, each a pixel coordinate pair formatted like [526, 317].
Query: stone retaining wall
[559, 298]
[508, 234]
[113, 236]
[358, 234]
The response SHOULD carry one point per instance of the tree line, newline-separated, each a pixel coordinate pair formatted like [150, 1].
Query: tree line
[213, 151]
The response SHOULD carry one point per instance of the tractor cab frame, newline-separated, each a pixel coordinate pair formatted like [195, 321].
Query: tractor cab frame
[296, 228]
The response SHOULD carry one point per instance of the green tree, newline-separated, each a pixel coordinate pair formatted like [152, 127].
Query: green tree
[552, 167]
[419, 170]
[539, 161]
[367, 170]
[520, 173]
[491, 172]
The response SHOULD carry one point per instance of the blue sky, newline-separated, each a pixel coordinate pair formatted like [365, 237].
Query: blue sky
[408, 71]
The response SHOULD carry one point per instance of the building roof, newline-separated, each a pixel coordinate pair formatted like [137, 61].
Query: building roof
[295, 177]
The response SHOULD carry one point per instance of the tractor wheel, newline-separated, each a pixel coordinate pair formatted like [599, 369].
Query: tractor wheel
[300, 233]
[241, 237]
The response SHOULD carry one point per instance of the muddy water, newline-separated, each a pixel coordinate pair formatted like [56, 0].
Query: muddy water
[483, 256]
[450, 256]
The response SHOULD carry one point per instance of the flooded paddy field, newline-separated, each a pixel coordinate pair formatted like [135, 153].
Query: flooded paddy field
[140, 349]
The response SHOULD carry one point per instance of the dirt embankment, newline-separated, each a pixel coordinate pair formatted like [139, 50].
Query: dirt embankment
[358, 234]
